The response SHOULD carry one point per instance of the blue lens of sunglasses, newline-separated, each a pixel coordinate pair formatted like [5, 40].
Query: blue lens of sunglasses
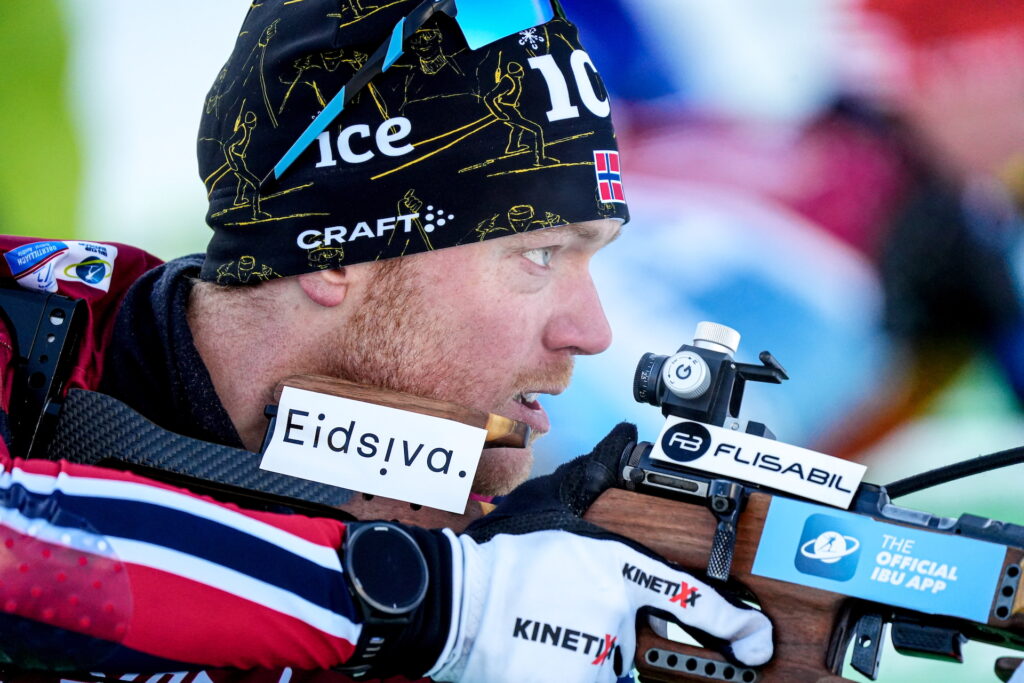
[485, 21]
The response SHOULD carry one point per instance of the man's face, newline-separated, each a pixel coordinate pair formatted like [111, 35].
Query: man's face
[492, 325]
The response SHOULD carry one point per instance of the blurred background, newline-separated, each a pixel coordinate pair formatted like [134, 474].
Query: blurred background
[839, 180]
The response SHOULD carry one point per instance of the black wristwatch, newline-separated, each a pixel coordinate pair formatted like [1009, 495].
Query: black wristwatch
[387, 578]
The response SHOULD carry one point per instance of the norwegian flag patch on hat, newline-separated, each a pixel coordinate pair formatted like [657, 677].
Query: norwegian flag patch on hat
[609, 178]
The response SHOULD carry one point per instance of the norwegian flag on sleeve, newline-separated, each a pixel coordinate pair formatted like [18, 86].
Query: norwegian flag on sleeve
[609, 178]
[150, 577]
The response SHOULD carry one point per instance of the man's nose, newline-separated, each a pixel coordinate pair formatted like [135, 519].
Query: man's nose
[578, 323]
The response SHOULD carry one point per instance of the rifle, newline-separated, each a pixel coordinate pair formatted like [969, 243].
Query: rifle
[811, 566]
[827, 577]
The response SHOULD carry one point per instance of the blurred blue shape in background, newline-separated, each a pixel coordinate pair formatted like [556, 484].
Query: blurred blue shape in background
[630, 64]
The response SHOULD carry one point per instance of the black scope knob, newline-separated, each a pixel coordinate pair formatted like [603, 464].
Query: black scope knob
[647, 378]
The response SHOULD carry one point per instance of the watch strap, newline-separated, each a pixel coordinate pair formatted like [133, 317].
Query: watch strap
[399, 578]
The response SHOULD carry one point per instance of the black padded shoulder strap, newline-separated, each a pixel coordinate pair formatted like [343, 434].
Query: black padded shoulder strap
[96, 429]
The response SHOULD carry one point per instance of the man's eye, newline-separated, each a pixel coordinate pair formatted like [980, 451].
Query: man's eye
[542, 256]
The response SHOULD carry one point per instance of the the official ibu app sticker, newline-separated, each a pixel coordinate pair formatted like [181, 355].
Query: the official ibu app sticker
[893, 564]
[828, 548]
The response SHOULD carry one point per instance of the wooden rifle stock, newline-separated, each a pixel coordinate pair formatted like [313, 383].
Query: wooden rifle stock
[682, 532]
[501, 431]
[812, 627]
[803, 618]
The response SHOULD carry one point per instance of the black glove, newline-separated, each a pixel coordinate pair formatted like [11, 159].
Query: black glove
[560, 499]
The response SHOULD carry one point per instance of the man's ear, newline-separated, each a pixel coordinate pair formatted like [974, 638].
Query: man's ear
[326, 287]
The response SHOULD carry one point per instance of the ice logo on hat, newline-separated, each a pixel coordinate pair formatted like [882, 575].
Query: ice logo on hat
[827, 549]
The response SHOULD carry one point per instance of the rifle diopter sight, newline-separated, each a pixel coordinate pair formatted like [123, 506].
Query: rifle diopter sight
[701, 384]
[702, 381]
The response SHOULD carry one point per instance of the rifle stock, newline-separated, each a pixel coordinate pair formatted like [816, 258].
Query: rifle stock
[813, 627]
[683, 532]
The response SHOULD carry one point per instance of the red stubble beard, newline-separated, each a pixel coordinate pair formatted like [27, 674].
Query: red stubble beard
[390, 342]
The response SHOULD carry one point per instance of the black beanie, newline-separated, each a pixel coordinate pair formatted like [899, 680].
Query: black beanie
[446, 147]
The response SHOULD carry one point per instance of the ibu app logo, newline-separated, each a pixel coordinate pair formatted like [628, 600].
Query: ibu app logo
[828, 548]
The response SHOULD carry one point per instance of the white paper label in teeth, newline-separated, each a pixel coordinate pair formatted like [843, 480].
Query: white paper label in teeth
[374, 449]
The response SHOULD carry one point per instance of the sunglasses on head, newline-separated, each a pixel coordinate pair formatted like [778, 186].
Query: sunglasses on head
[482, 22]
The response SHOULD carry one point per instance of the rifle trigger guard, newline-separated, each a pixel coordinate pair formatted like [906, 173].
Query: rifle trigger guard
[726, 499]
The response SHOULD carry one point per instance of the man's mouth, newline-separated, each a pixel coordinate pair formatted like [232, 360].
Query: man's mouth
[529, 399]
[525, 407]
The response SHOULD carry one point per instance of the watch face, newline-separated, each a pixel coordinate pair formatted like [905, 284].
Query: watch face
[386, 568]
